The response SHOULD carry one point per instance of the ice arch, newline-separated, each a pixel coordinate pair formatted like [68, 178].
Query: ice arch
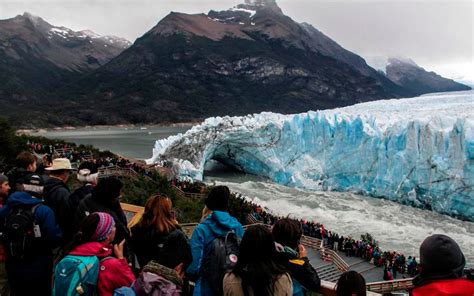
[418, 151]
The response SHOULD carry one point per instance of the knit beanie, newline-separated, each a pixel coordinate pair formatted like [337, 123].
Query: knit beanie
[440, 258]
[104, 227]
[218, 199]
[34, 185]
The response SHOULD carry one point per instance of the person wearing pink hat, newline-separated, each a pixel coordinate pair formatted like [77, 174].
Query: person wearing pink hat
[97, 232]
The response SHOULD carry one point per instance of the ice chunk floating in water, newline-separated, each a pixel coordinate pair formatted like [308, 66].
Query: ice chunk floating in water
[418, 151]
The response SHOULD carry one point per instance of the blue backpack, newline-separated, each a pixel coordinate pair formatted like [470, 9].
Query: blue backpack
[76, 275]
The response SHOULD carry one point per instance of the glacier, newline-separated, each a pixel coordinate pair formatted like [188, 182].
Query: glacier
[417, 151]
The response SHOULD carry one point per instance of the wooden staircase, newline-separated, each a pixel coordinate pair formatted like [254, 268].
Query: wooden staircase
[328, 272]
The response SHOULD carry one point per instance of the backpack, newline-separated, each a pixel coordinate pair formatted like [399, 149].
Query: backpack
[219, 258]
[21, 232]
[76, 275]
[149, 283]
[124, 291]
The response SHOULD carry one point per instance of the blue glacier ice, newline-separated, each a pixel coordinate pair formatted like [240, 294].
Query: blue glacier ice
[418, 151]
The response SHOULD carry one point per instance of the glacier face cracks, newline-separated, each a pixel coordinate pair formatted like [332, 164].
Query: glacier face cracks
[418, 151]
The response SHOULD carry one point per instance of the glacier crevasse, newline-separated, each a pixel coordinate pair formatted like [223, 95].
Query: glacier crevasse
[418, 151]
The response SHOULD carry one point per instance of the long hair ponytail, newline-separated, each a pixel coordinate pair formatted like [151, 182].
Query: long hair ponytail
[256, 266]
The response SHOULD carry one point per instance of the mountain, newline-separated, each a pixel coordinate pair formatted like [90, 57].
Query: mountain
[37, 57]
[247, 59]
[409, 75]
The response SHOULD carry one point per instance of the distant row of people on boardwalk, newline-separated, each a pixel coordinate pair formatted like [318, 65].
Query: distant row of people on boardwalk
[392, 261]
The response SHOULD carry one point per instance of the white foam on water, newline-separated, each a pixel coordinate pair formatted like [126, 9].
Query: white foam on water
[395, 226]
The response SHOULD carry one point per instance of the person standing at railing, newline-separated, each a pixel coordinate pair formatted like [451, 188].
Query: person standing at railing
[217, 223]
[442, 269]
[152, 231]
[293, 255]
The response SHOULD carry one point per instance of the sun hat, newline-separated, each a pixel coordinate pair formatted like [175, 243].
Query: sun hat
[60, 164]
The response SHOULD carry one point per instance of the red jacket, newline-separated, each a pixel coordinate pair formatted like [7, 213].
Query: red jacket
[454, 287]
[114, 273]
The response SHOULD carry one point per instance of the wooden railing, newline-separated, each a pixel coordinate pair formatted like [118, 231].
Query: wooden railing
[183, 194]
[311, 242]
[390, 286]
[329, 289]
[132, 212]
[87, 157]
[116, 171]
[334, 257]
[63, 150]
[252, 220]
[188, 228]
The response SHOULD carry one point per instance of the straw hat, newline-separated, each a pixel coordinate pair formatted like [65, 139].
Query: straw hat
[60, 164]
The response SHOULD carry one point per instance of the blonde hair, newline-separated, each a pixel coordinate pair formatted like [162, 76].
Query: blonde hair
[158, 214]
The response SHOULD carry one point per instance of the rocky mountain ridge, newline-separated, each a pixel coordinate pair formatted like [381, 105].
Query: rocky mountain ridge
[409, 75]
[247, 59]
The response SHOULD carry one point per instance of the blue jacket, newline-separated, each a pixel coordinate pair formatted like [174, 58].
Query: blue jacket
[215, 225]
[44, 216]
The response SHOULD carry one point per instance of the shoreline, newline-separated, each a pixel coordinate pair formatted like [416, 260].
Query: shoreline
[39, 131]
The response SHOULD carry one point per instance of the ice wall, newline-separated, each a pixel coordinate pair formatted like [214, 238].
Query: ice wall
[418, 151]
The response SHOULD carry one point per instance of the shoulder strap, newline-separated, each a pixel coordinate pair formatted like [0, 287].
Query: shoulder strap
[106, 258]
[33, 209]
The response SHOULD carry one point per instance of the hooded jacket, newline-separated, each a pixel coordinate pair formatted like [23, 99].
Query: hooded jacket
[304, 276]
[447, 287]
[56, 196]
[113, 273]
[33, 276]
[44, 217]
[215, 225]
[91, 204]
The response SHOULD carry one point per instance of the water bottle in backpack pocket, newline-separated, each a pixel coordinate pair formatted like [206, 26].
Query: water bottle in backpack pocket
[219, 258]
[76, 275]
[21, 232]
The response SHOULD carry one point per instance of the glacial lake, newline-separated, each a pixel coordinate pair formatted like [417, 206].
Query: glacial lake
[132, 142]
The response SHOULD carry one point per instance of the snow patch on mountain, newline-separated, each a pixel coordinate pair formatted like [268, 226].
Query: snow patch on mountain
[251, 12]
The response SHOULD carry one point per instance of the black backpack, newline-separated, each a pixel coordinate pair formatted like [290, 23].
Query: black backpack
[21, 231]
[219, 258]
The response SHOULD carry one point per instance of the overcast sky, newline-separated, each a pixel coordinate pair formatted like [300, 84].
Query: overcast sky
[437, 34]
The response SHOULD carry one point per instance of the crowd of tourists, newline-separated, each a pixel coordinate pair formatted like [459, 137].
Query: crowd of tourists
[78, 156]
[55, 242]
[394, 263]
